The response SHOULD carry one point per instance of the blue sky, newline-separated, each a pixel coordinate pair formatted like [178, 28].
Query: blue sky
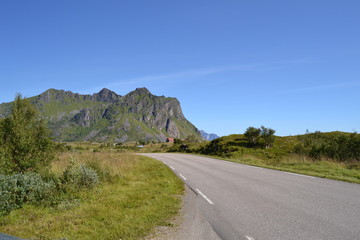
[288, 65]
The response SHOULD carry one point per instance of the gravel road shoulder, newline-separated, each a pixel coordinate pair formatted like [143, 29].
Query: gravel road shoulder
[189, 224]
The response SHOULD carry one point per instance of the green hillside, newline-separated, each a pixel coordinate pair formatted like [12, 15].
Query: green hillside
[109, 117]
[334, 155]
[339, 146]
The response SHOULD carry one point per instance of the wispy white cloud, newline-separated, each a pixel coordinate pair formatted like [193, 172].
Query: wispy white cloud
[190, 74]
[322, 87]
[180, 75]
[309, 89]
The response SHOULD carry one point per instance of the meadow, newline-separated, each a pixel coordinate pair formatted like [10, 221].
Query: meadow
[333, 155]
[134, 195]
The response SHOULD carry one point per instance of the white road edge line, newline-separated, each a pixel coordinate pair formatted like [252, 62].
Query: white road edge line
[182, 176]
[254, 167]
[205, 197]
[250, 238]
[171, 167]
[296, 174]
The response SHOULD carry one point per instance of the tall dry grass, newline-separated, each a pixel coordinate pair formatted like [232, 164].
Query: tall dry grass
[127, 207]
[325, 167]
[114, 163]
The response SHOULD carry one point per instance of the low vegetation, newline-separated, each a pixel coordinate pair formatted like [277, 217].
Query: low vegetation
[341, 147]
[103, 191]
[71, 191]
[260, 137]
[25, 144]
[134, 195]
[334, 155]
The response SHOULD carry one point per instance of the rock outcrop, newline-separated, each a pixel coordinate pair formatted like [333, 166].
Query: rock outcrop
[107, 116]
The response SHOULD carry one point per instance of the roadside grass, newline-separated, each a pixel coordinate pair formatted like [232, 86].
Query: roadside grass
[156, 148]
[280, 157]
[142, 194]
[129, 147]
[325, 168]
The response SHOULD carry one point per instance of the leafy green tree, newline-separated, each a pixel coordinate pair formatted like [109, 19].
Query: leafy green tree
[252, 135]
[267, 136]
[25, 144]
[260, 137]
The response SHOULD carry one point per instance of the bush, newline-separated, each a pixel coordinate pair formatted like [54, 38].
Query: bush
[341, 147]
[252, 135]
[25, 144]
[178, 141]
[102, 172]
[21, 188]
[62, 147]
[80, 176]
[260, 137]
[217, 148]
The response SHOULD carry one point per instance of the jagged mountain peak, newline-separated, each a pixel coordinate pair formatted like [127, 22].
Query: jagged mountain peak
[106, 95]
[55, 95]
[140, 91]
[107, 116]
[208, 136]
[105, 91]
[138, 96]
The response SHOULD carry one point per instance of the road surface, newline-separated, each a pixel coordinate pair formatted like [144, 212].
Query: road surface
[8, 237]
[251, 203]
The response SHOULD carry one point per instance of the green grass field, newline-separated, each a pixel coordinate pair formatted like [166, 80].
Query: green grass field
[296, 164]
[281, 157]
[143, 194]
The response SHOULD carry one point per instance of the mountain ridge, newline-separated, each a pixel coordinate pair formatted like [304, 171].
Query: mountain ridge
[208, 136]
[107, 116]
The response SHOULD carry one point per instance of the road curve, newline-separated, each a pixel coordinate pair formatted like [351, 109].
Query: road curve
[251, 203]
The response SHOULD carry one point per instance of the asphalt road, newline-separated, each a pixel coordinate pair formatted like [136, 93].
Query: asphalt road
[8, 237]
[251, 203]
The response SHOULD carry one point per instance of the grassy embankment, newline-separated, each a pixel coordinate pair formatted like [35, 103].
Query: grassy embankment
[139, 194]
[282, 157]
[302, 165]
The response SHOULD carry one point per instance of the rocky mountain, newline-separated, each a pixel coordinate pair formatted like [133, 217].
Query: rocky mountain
[208, 136]
[107, 116]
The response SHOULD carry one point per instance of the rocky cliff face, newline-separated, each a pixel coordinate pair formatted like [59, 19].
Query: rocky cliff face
[107, 116]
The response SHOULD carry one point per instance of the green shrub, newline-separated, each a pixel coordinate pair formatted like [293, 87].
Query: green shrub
[342, 147]
[21, 188]
[260, 137]
[62, 147]
[217, 148]
[80, 176]
[102, 172]
[25, 144]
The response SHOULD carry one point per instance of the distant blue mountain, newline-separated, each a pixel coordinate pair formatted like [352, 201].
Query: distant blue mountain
[208, 136]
